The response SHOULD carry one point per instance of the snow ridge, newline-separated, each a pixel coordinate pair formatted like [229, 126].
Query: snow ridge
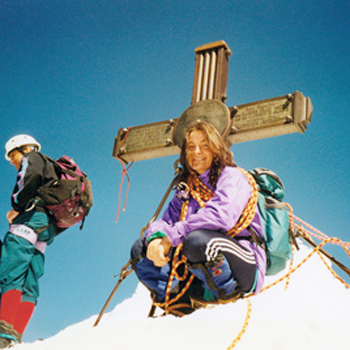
[310, 314]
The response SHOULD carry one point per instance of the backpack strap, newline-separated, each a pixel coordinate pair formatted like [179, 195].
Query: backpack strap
[60, 169]
[268, 172]
[254, 238]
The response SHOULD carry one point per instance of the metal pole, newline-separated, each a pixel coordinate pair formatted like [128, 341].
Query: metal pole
[123, 274]
[310, 241]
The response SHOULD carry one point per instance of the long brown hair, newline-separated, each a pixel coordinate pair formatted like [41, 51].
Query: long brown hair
[222, 155]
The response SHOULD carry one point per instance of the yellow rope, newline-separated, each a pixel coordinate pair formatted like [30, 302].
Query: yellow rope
[331, 240]
[249, 211]
[244, 328]
[316, 249]
[292, 229]
[176, 264]
[324, 238]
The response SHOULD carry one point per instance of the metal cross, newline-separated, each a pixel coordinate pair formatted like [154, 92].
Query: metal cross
[262, 119]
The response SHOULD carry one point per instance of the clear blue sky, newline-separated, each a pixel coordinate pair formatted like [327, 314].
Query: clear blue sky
[73, 72]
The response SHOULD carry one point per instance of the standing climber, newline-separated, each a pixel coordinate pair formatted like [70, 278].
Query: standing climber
[30, 230]
[209, 201]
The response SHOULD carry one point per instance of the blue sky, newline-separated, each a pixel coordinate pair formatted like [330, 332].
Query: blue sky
[73, 72]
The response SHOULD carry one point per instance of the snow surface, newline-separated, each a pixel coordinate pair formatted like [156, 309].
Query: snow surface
[311, 314]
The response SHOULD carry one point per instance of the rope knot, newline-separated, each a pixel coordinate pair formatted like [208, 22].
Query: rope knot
[124, 173]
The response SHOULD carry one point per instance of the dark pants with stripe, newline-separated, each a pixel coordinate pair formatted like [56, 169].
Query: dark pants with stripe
[217, 260]
[206, 246]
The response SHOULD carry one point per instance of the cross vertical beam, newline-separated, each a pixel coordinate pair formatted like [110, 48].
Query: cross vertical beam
[211, 71]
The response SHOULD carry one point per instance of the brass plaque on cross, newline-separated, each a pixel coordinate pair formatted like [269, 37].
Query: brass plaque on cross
[258, 115]
[273, 117]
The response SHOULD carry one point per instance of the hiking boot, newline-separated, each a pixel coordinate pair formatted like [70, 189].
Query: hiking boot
[8, 336]
[6, 343]
[9, 340]
[216, 277]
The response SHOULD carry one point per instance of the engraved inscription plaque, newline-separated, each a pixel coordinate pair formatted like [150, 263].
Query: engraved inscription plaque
[150, 136]
[263, 114]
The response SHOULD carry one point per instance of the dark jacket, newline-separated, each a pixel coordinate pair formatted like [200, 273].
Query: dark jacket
[35, 171]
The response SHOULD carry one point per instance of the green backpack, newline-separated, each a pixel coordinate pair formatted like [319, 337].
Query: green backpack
[275, 220]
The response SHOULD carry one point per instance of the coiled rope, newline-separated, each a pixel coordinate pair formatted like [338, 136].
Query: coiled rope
[249, 211]
[202, 194]
[303, 228]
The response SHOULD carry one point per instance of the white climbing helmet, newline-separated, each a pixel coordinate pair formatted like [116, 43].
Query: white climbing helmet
[19, 141]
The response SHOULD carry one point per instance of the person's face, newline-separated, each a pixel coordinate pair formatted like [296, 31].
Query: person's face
[199, 156]
[16, 158]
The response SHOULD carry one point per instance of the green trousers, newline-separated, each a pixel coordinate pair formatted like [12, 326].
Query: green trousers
[21, 263]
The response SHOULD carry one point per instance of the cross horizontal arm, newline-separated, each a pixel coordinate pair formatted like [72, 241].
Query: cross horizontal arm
[273, 117]
[276, 116]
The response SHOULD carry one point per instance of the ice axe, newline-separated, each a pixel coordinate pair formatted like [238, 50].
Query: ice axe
[126, 269]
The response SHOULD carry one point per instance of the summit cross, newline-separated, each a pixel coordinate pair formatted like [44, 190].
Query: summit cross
[256, 120]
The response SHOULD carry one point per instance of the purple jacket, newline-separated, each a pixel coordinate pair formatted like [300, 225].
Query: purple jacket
[221, 213]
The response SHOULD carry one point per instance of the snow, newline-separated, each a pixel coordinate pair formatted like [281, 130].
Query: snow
[311, 314]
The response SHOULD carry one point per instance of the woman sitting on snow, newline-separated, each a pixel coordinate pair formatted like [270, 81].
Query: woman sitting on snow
[209, 201]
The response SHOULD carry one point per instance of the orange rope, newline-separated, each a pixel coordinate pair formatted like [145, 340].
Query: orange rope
[317, 234]
[316, 249]
[249, 211]
[292, 229]
[202, 194]
[176, 264]
[325, 239]
[198, 191]
[331, 240]
[244, 328]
